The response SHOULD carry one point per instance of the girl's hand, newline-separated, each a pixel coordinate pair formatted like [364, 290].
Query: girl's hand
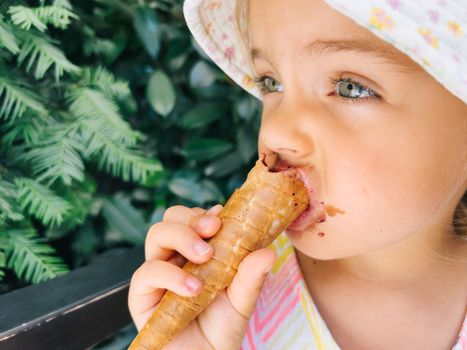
[169, 243]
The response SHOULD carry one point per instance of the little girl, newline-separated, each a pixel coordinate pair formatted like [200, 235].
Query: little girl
[369, 99]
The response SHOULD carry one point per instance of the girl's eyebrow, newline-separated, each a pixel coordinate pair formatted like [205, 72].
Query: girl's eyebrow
[362, 45]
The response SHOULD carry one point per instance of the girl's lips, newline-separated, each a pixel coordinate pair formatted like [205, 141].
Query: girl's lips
[315, 212]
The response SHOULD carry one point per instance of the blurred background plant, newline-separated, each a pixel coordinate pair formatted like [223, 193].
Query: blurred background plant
[109, 114]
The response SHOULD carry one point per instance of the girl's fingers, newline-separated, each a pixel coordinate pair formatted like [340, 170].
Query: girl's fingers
[165, 237]
[150, 281]
[177, 259]
[168, 245]
[183, 215]
[199, 210]
[247, 283]
[176, 220]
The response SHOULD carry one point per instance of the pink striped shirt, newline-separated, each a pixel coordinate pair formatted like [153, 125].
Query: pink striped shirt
[285, 316]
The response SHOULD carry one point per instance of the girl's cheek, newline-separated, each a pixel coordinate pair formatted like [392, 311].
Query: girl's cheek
[369, 187]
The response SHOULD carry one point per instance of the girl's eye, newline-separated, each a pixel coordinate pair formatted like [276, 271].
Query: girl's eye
[349, 90]
[267, 84]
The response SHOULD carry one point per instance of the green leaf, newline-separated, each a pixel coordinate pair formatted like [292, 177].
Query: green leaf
[38, 17]
[202, 75]
[31, 258]
[148, 28]
[246, 108]
[44, 55]
[56, 15]
[26, 17]
[208, 148]
[16, 99]
[58, 159]
[9, 208]
[177, 52]
[101, 78]
[198, 192]
[92, 104]
[247, 143]
[215, 91]
[108, 49]
[80, 195]
[204, 114]
[124, 219]
[114, 157]
[224, 166]
[41, 202]
[27, 130]
[7, 38]
[161, 93]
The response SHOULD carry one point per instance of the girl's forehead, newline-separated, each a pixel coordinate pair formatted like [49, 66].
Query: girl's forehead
[313, 29]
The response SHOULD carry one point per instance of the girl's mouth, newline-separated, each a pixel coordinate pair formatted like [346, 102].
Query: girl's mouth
[315, 213]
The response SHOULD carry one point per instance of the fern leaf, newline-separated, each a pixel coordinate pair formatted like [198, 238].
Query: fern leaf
[41, 202]
[128, 165]
[88, 103]
[31, 258]
[81, 198]
[59, 17]
[114, 158]
[3, 242]
[15, 100]
[43, 54]
[105, 81]
[58, 159]
[28, 130]
[26, 18]
[106, 48]
[7, 39]
[63, 3]
[9, 208]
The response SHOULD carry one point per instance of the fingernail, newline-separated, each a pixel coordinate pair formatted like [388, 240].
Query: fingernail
[192, 283]
[201, 248]
[214, 209]
[205, 221]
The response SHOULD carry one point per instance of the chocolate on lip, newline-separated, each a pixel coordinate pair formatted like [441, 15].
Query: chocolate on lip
[315, 212]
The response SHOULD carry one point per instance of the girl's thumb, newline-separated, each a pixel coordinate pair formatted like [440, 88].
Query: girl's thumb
[247, 283]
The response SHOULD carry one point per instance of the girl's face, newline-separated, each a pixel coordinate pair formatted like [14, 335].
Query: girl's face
[392, 160]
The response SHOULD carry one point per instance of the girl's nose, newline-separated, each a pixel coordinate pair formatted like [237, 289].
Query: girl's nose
[283, 133]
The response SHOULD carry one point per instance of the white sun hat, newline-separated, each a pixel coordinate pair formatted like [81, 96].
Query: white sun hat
[432, 33]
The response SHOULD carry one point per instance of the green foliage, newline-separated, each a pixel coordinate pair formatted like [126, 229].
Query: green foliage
[40, 51]
[39, 201]
[61, 130]
[109, 114]
[30, 258]
[161, 93]
[58, 15]
[17, 99]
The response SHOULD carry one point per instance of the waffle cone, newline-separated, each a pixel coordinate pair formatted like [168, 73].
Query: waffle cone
[252, 218]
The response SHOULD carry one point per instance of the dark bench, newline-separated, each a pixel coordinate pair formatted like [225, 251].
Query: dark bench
[75, 311]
